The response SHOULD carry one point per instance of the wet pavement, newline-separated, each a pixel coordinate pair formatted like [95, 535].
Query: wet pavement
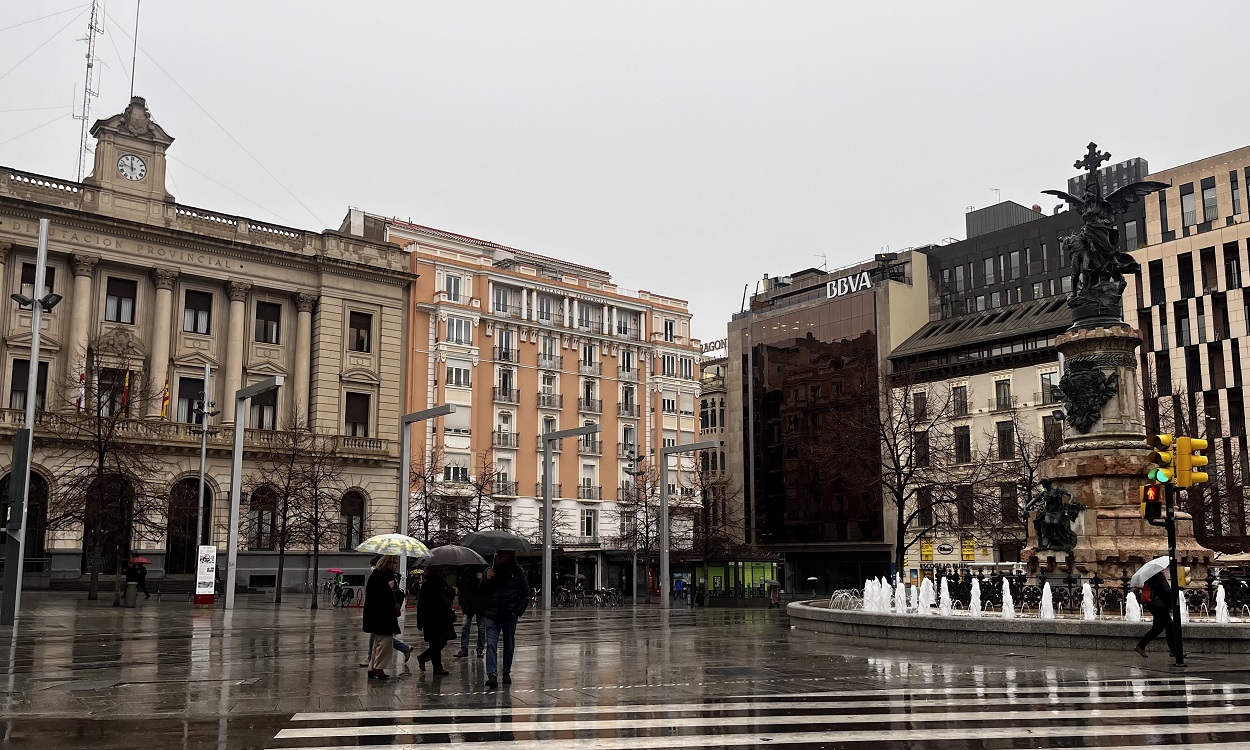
[85, 675]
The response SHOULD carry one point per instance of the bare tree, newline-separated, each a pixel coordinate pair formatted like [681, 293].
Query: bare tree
[426, 487]
[321, 485]
[478, 509]
[1019, 452]
[276, 494]
[637, 515]
[717, 517]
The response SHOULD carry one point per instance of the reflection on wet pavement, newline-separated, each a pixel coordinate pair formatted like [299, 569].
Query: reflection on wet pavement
[83, 674]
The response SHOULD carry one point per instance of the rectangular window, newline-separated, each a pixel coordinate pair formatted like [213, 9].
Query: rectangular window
[20, 382]
[924, 507]
[996, 299]
[920, 448]
[1157, 292]
[989, 270]
[356, 414]
[1232, 265]
[920, 405]
[964, 505]
[360, 331]
[119, 300]
[627, 360]
[190, 393]
[457, 468]
[590, 523]
[459, 330]
[670, 329]
[959, 400]
[963, 445]
[503, 300]
[452, 287]
[1210, 205]
[197, 312]
[1050, 385]
[268, 322]
[114, 392]
[1189, 210]
[1130, 236]
[503, 517]
[1006, 440]
[1052, 434]
[544, 309]
[959, 279]
[1008, 503]
[264, 411]
[1236, 190]
[1037, 290]
[1002, 394]
[669, 403]
[458, 377]
[28, 283]
[980, 303]
[669, 362]
[687, 368]
[1183, 332]
[1013, 265]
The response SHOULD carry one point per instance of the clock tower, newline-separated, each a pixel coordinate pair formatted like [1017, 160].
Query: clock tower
[129, 169]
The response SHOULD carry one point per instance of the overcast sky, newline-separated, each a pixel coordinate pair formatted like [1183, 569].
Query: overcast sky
[688, 148]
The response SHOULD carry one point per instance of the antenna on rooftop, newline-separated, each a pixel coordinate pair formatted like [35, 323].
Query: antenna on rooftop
[824, 262]
[998, 195]
[88, 93]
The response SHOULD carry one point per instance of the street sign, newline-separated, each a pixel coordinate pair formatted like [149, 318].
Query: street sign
[205, 574]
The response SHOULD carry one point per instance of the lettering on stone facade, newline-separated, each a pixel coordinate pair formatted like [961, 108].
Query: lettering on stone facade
[94, 239]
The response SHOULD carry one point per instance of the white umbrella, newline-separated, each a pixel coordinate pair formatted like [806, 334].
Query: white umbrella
[1148, 570]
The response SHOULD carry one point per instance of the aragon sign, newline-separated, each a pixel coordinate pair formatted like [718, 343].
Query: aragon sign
[848, 285]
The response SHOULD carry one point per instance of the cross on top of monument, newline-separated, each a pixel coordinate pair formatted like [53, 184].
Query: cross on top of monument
[1092, 159]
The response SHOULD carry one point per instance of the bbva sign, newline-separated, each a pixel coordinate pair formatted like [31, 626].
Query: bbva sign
[848, 284]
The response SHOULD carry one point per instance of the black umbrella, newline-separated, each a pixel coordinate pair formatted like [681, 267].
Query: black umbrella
[453, 555]
[491, 542]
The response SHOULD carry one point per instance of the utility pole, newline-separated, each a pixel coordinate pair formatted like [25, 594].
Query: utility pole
[1178, 594]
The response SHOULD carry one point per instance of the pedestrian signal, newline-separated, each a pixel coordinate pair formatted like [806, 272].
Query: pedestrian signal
[1151, 496]
[1162, 472]
[1187, 461]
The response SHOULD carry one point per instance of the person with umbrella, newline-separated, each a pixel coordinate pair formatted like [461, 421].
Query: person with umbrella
[381, 615]
[504, 596]
[1156, 594]
[468, 579]
[435, 618]
[137, 573]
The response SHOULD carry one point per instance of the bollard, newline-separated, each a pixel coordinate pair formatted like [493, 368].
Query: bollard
[131, 598]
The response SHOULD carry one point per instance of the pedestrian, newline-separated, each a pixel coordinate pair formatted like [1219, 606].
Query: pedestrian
[774, 597]
[468, 581]
[505, 594]
[397, 644]
[138, 575]
[677, 585]
[435, 618]
[381, 615]
[1156, 594]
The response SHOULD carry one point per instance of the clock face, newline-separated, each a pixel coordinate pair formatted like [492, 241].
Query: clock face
[132, 167]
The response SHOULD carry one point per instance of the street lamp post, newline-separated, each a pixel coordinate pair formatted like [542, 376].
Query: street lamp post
[241, 397]
[203, 412]
[635, 472]
[19, 483]
[405, 469]
[549, 439]
[665, 452]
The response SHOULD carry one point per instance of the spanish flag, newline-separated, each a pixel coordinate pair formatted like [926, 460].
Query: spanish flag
[126, 393]
[165, 399]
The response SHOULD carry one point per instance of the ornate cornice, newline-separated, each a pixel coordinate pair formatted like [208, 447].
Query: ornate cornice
[164, 277]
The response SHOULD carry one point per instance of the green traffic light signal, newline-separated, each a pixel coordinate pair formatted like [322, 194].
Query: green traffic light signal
[1163, 472]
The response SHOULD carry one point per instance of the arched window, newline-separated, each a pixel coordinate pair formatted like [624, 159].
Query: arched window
[180, 538]
[262, 519]
[351, 520]
[36, 513]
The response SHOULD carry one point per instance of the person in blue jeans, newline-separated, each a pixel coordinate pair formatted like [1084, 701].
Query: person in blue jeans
[468, 579]
[504, 594]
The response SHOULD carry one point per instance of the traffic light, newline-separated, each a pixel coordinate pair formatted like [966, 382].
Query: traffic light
[1187, 460]
[1151, 496]
[1182, 577]
[1163, 471]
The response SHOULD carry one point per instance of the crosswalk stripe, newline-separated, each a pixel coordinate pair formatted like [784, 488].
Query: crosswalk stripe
[927, 695]
[906, 737]
[967, 715]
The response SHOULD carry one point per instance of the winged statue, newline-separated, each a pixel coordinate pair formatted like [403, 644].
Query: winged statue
[1098, 263]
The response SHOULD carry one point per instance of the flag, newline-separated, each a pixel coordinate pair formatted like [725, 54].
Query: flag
[125, 392]
[82, 390]
[165, 399]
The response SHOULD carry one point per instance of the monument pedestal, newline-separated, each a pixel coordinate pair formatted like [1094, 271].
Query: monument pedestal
[1104, 465]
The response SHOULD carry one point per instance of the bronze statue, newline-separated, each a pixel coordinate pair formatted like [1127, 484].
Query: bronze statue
[1056, 511]
[1098, 264]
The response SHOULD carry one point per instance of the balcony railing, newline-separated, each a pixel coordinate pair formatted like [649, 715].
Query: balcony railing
[352, 444]
[589, 492]
[959, 408]
[585, 541]
[550, 401]
[623, 450]
[627, 410]
[589, 368]
[590, 405]
[551, 319]
[507, 355]
[590, 325]
[624, 374]
[507, 311]
[1046, 398]
[507, 489]
[632, 334]
[507, 395]
[503, 439]
[1189, 218]
[555, 446]
[590, 447]
[538, 490]
[550, 361]
[1002, 404]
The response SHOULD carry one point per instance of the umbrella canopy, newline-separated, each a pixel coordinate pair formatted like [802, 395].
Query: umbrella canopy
[578, 576]
[771, 582]
[490, 542]
[394, 544]
[1148, 570]
[334, 570]
[452, 554]
[140, 561]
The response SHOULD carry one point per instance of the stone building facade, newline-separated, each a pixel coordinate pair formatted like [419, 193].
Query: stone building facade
[181, 288]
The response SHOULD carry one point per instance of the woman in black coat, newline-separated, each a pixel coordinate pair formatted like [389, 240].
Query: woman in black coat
[381, 615]
[435, 618]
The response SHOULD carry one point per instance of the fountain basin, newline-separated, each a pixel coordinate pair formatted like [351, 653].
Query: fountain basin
[1029, 632]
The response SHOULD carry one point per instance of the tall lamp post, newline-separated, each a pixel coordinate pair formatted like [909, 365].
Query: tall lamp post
[665, 452]
[405, 468]
[241, 397]
[19, 483]
[635, 470]
[549, 439]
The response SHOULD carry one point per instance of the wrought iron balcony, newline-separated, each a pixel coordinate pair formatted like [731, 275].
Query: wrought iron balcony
[590, 447]
[589, 492]
[550, 401]
[507, 395]
[589, 368]
[590, 405]
[550, 361]
[538, 490]
[507, 355]
[627, 374]
[627, 410]
[503, 439]
[555, 446]
[507, 489]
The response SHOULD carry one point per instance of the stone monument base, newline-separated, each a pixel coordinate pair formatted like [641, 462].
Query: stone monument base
[1112, 535]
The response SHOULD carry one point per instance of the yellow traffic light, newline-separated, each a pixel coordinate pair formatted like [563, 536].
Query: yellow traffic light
[1187, 461]
[1163, 471]
[1182, 577]
[1151, 496]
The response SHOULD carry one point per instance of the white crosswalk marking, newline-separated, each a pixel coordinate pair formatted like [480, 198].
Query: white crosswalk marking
[1180, 713]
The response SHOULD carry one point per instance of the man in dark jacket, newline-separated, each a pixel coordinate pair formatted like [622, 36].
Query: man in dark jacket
[468, 581]
[1160, 606]
[504, 596]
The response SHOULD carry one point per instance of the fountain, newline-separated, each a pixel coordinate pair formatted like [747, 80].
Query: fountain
[900, 597]
[913, 601]
[974, 606]
[1088, 610]
[926, 596]
[1221, 605]
[1048, 603]
[1132, 610]
[1184, 611]
[1009, 605]
[944, 603]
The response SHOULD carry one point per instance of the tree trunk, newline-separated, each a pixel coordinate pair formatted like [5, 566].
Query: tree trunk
[899, 533]
[93, 569]
[316, 569]
[277, 590]
[119, 583]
